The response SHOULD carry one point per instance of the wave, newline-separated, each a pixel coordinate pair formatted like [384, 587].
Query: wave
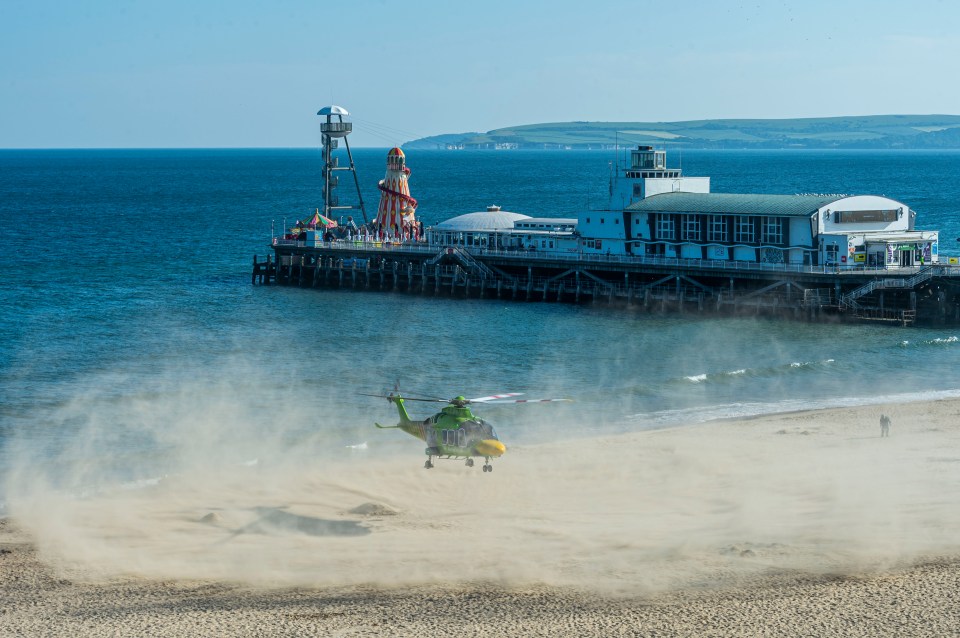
[702, 414]
[769, 371]
[938, 341]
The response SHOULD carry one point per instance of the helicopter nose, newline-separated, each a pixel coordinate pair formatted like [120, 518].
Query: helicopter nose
[490, 447]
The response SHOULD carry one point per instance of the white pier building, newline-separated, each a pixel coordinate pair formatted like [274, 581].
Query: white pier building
[657, 212]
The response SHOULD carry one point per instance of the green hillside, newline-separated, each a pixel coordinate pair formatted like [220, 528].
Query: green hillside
[871, 131]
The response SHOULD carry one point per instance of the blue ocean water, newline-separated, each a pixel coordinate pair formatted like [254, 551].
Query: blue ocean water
[130, 331]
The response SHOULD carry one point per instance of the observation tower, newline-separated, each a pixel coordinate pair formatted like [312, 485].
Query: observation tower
[331, 132]
[396, 215]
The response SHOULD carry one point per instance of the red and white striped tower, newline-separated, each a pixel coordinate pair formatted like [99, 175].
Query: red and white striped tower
[396, 216]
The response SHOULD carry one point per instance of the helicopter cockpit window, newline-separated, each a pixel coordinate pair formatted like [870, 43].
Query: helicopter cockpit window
[486, 430]
[479, 429]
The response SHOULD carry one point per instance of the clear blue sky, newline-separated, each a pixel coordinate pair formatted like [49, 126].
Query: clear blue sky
[253, 74]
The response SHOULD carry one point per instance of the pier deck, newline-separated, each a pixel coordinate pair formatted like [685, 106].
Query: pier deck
[929, 294]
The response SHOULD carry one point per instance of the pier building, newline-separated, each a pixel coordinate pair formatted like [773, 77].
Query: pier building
[664, 243]
[657, 211]
[502, 230]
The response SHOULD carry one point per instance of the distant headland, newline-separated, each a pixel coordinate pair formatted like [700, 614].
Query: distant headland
[867, 132]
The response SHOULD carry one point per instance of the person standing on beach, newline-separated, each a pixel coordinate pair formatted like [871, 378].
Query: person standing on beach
[884, 425]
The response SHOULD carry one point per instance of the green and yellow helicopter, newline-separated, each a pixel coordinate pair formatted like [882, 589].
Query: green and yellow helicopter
[455, 432]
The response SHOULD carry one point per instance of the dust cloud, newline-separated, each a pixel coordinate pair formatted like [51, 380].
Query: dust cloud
[647, 511]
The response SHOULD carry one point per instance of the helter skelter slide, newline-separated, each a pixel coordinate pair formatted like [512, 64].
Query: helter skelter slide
[396, 213]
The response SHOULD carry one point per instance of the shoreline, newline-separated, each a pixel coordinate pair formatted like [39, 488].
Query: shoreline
[803, 523]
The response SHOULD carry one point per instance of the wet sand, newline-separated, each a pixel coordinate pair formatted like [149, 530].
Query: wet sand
[802, 524]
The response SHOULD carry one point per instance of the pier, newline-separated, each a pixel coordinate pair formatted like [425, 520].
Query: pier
[664, 243]
[923, 294]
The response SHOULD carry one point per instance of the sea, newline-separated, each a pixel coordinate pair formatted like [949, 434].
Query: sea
[130, 331]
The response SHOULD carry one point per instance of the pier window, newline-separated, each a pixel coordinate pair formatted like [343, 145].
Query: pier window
[771, 230]
[718, 229]
[743, 230]
[665, 226]
[691, 227]
[865, 216]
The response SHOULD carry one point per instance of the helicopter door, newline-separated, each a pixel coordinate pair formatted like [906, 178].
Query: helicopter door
[461, 438]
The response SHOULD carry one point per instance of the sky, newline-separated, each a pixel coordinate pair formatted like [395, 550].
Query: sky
[213, 73]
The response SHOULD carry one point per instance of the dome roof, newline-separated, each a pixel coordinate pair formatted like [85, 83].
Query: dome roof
[333, 109]
[394, 152]
[491, 219]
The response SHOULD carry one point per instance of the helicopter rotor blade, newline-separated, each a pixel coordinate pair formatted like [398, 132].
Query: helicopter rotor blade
[405, 398]
[531, 401]
[494, 397]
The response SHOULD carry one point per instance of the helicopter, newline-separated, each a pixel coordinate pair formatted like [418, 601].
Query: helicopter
[455, 432]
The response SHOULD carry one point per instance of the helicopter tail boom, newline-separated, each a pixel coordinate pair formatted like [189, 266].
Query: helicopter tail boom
[401, 409]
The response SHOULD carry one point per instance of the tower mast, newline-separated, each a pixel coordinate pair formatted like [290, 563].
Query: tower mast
[331, 132]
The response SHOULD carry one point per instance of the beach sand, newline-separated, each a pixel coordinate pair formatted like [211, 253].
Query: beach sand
[801, 524]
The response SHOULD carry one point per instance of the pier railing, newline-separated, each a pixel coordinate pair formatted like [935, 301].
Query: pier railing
[600, 259]
[924, 274]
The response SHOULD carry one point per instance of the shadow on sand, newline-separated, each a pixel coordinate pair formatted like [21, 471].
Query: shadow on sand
[272, 519]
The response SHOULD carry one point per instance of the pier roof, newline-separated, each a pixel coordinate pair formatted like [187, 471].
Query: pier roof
[493, 219]
[735, 203]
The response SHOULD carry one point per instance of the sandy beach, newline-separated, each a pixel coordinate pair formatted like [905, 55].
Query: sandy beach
[801, 524]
